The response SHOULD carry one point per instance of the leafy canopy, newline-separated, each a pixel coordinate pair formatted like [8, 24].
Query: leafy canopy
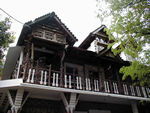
[130, 29]
[6, 38]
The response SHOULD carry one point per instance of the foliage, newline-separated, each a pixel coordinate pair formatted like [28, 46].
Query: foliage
[130, 29]
[6, 38]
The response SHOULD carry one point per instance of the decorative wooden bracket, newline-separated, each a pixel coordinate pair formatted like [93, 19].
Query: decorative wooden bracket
[18, 102]
[71, 104]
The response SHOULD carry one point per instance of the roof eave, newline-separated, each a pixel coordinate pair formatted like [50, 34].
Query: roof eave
[87, 41]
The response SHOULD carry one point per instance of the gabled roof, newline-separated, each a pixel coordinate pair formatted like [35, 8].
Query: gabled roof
[27, 28]
[91, 37]
[99, 32]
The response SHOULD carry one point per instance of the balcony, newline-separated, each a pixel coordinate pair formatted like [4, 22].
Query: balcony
[48, 77]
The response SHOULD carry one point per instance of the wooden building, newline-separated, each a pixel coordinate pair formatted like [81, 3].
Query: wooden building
[46, 73]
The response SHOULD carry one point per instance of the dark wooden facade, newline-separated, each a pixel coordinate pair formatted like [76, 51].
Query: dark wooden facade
[59, 78]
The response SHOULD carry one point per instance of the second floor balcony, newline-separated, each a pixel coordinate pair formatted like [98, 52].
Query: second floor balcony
[53, 78]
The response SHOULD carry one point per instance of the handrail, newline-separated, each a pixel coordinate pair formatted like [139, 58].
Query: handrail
[76, 81]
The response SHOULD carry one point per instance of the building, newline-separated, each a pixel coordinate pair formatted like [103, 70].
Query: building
[45, 73]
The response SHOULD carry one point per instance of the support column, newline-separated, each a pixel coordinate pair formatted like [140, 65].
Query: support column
[134, 107]
[71, 103]
[16, 103]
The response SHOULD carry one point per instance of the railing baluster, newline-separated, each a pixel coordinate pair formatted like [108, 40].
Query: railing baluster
[29, 75]
[125, 89]
[97, 85]
[89, 83]
[86, 84]
[77, 81]
[148, 91]
[105, 87]
[115, 87]
[53, 84]
[70, 81]
[107, 84]
[117, 90]
[144, 92]
[95, 88]
[138, 91]
[41, 82]
[80, 82]
[65, 81]
[132, 90]
[45, 78]
[33, 74]
[57, 79]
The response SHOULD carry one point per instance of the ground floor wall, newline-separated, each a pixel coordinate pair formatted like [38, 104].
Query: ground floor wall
[103, 107]
[50, 106]
[43, 106]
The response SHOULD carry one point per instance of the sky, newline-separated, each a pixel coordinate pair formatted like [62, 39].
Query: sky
[78, 15]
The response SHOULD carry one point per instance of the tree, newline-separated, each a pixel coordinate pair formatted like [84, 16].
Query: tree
[6, 38]
[130, 29]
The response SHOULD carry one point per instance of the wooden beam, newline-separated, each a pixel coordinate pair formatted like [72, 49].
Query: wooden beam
[64, 99]
[16, 105]
[10, 98]
[25, 100]
[102, 44]
[44, 50]
[102, 35]
[70, 106]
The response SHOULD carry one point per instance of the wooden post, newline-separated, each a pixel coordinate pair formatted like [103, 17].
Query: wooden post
[74, 79]
[119, 82]
[111, 86]
[101, 79]
[61, 69]
[49, 76]
[32, 55]
[26, 62]
[84, 77]
[36, 72]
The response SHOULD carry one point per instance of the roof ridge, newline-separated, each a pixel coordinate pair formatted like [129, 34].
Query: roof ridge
[54, 16]
[65, 26]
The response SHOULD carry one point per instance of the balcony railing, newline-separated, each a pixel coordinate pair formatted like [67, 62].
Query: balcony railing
[53, 78]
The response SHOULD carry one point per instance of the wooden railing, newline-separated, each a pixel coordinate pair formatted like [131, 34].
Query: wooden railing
[53, 78]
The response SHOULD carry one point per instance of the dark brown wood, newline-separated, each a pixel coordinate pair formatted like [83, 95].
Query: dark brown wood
[102, 44]
[61, 69]
[49, 75]
[100, 82]
[119, 83]
[36, 72]
[110, 86]
[32, 54]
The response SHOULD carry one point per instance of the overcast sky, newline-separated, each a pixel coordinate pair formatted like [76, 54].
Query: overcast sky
[78, 15]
